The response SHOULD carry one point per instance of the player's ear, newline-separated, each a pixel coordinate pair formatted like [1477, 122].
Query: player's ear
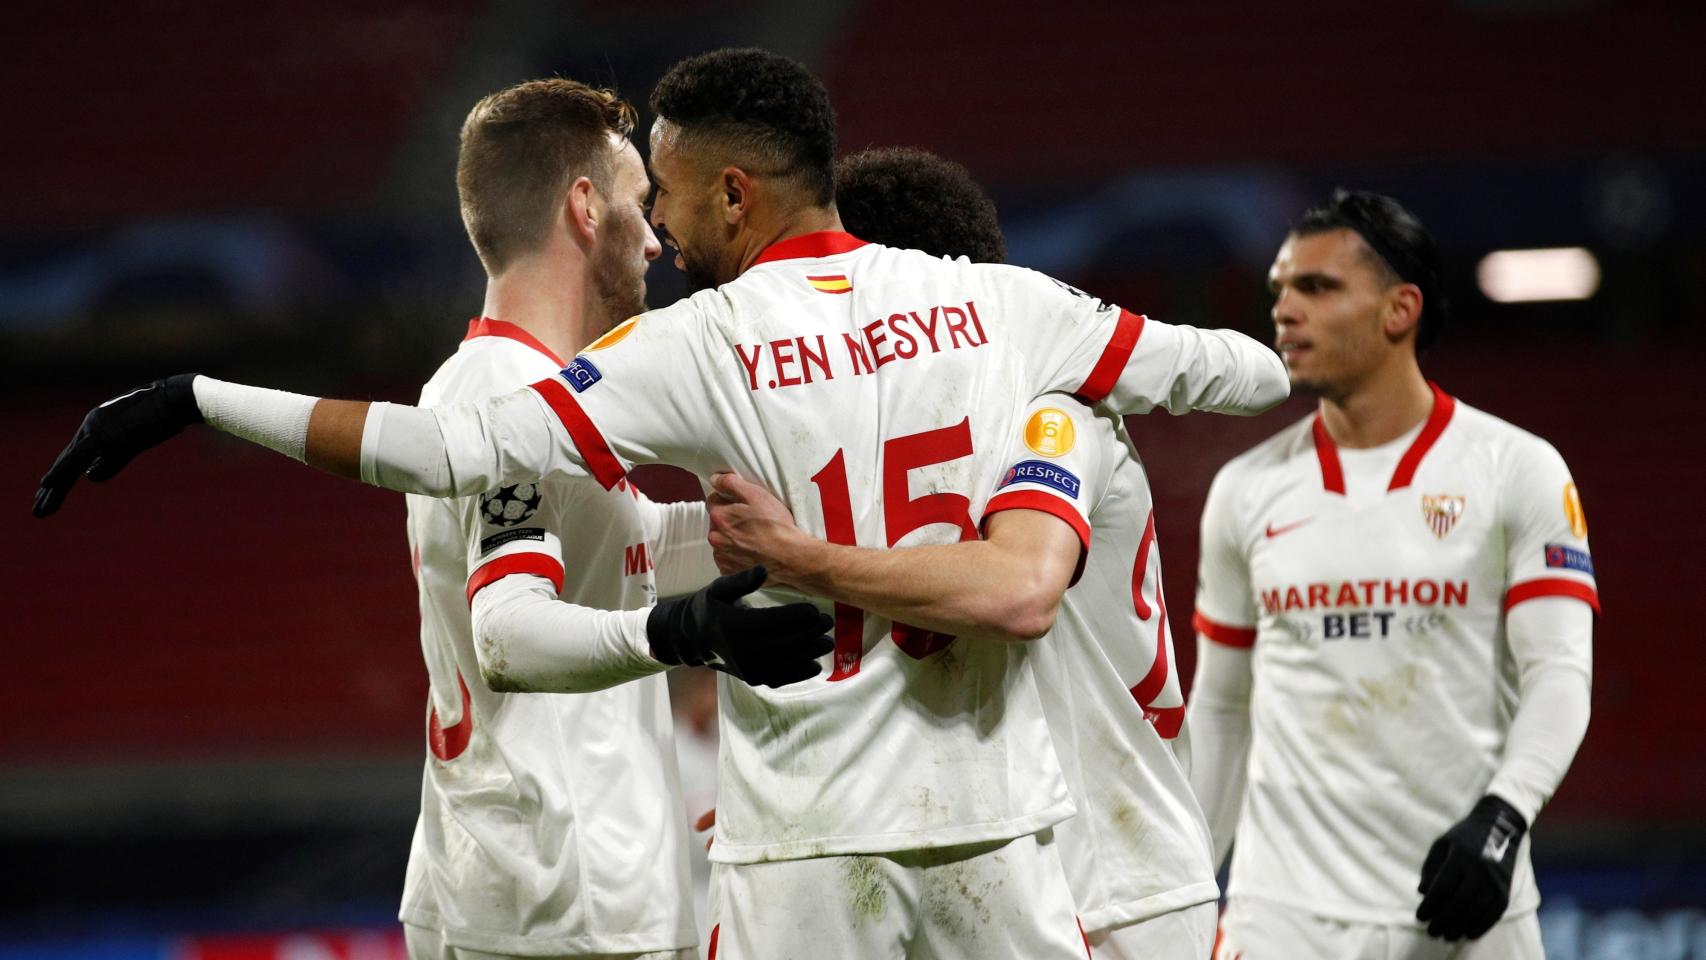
[1403, 310]
[581, 210]
[736, 188]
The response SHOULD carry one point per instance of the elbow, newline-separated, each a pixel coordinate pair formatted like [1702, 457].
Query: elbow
[1026, 614]
[1274, 386]
[490, 651]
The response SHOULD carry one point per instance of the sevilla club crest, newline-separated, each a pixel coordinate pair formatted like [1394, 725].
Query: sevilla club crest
[1440, 511]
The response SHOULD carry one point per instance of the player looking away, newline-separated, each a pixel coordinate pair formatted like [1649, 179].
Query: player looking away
[873, 388]
[1395, 612]
[1137, 853]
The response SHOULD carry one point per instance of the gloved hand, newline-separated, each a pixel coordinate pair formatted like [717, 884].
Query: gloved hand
[1466, 879]
[764, 646]
[115, 432]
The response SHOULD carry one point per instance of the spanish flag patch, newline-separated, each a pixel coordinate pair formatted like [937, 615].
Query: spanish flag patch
[836, 283]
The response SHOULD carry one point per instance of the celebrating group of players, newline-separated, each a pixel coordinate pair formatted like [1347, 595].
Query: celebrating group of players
[951, 725]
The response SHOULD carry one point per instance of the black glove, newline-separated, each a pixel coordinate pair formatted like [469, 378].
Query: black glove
[768, 646]
[1466, 879]
[115, 432]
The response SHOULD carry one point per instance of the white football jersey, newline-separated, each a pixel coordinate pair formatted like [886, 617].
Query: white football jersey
[873, 390]
[550, 823]
[1373, 584]
[1139, 846]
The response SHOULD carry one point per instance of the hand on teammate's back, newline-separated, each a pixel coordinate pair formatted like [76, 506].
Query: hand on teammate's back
[750, 527]
[764, 646]
[115, 432]
[1466, 879]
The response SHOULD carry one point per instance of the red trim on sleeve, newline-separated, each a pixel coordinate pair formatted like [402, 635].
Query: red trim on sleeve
[1222, 633]
[1112, 362]
[1552, 587]
[824, 243]
[445, 744]
[537, 564]
[1437, 420]
[606, 469]
[1332, 475]
[487, 327]
[1046, 503]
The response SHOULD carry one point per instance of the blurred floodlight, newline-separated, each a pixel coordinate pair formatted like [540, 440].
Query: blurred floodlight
[1522, 276]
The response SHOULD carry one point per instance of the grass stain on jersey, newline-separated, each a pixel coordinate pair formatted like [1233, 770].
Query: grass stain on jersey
[867, 893]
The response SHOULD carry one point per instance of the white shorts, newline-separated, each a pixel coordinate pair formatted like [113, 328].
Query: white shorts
[1183, 934]
[982, 901]
[1256, 929]
[425, 944]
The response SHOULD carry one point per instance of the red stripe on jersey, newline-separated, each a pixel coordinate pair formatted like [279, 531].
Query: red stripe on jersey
[824, 243]
[537, 564]
[1085, 936]
[606, 469]
[1046, 503]
[1167, 721]
[1437, 419]
[1112, 363]
[1141, 569]
[448, 744]
[1222, 633]
[714, 931]
[1155, 680]
[487, 327]
[1332, 475]
[1552, 587]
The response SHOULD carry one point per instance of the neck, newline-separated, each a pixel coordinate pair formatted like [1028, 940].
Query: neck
[796, 223]
[1382, 409]
[546, 296]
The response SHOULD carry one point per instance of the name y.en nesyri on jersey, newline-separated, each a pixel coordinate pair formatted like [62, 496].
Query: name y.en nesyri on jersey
[792, 361]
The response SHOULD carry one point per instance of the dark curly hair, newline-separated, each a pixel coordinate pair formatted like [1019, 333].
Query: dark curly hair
[1403, 250]
[914, 199]
[766, 109]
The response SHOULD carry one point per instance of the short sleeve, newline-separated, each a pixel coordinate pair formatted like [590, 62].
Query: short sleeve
[1056, 465]
[1545, 528]
[514, 530]
[641, 393]
[1226, 608]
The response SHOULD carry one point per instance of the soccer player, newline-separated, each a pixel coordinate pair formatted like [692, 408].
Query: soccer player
[550, 825]
[901, 804]
[1394, 610]
[1137, 852]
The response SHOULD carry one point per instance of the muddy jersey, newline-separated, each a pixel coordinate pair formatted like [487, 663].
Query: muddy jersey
[1373, 584]
[873, 390]
[1110, 689]
[550, 823]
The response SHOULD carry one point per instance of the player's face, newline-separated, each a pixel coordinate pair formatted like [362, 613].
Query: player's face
[1328, 299]
[625, 243]
[686, 211]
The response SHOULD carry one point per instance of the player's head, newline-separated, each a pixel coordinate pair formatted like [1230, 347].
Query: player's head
[1356, 289]
[916, 200]
[741, 135]
[546, 166]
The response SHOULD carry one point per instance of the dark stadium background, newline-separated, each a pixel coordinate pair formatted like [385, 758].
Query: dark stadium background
[213, 717]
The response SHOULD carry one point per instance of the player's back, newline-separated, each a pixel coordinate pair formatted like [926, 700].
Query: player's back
[549, 822]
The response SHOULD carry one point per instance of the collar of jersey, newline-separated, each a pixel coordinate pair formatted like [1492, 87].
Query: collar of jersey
[1327, 452]
[824, 243]
[487, 327]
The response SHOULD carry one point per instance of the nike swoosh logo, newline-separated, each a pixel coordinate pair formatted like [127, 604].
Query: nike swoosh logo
[1274, 531]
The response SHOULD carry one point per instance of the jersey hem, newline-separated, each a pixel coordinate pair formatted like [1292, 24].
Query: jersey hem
[1010, 829]
[1376, 915]
[523, 946]
[1128, 912]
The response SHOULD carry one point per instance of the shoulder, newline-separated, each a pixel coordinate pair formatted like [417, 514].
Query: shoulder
[1516, 450]
[1281, 449]
[485, 367]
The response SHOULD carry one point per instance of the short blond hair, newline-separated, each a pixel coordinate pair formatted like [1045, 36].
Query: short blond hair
[521, 148]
